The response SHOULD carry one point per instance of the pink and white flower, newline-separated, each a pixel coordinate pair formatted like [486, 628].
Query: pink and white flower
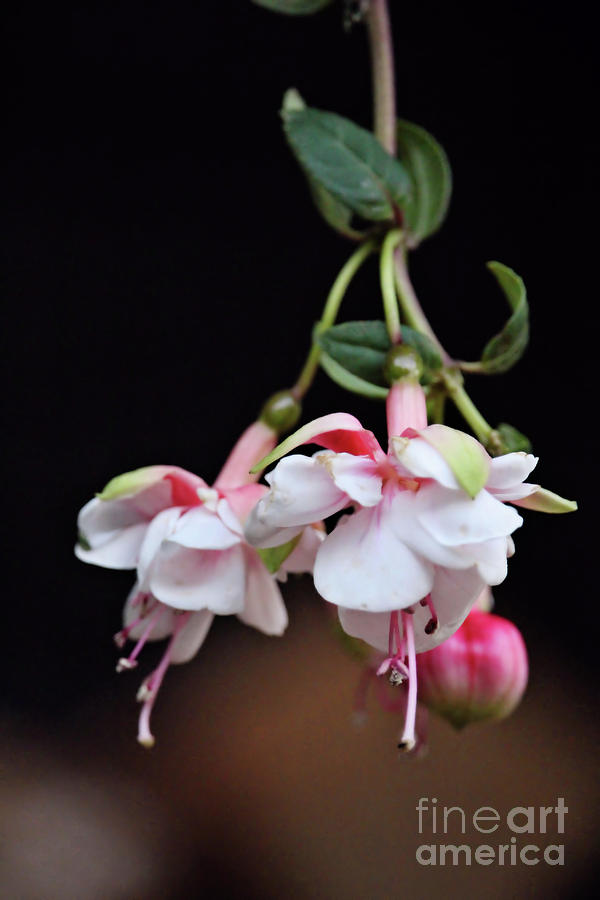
[186, 541]
[430, 528]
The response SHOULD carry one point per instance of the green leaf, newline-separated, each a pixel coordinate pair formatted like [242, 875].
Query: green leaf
[294, 7]
[335, 213]
[427, 164]
[356, 352]
[508, 346]
[345, 160]
[360, 347]
[351, 382]
[273, 557]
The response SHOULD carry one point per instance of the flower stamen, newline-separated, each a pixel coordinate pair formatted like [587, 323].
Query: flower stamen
[150, 686]
[432, 625]
[394, 663]
[120, 638]
[130, 662]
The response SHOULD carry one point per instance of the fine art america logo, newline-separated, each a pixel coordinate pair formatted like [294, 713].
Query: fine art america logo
[520, 822]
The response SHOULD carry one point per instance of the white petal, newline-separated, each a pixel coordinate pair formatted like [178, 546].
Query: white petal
[99, 521]
[508, 471]
[199, 579]
[228, 516]
[263, 536]
[120, 550]
[454, 594]
[490, 557]
[355, 475]
[515, 493]
[371, 627]
[159, 529]
[202, 529]
[302, 492]
[362, 565]
[191, 637]
[423, 461]
[263, 605]
[302, 557]
[409, 530]
[453, 518]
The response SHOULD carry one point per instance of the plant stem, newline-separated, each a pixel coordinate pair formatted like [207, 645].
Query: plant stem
[330, 311]
[388, 289]
[413, 312]
[482, 429]
[382, 66]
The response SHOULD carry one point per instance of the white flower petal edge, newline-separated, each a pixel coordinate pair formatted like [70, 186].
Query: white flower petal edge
[190, 579]
[452, 518]
[453, 593]
[263, 604]
[362, 565]
[302, 558]
[302, 492]
[118, 549]
[191, 637]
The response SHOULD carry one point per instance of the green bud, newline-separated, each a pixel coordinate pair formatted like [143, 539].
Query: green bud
[281, 411]
[402, 362]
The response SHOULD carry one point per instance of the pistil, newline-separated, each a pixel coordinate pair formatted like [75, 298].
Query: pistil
[408, 739]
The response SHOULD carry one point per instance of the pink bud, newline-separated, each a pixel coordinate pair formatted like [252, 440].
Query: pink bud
[478, 673]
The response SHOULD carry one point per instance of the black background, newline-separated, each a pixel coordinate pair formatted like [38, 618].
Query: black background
[165, 266]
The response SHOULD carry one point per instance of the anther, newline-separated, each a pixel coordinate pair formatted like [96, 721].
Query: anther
[432, 626]
[396, 677]
[125, 664]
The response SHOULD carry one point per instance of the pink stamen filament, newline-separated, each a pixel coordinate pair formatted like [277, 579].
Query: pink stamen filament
[407, 741]
[121, 636]
[130, 661]
[152, 684]
[394, 660]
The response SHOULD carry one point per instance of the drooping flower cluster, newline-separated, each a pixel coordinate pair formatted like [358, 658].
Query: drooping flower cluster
[430, 529]
[186, 541]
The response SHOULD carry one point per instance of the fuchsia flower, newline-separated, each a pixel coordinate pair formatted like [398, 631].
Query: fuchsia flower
[186, 541]
[478, 674]
[430, 527]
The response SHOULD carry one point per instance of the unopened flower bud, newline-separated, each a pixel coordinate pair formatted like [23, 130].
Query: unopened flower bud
[479, 673]
[281, 411]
